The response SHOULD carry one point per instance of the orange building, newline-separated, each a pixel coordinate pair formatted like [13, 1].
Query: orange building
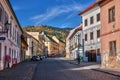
[110, 33]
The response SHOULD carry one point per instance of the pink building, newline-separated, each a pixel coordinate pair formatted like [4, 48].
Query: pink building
[10, 36]
[110, 33]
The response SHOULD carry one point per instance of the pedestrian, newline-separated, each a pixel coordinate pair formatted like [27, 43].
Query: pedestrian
[78, 58]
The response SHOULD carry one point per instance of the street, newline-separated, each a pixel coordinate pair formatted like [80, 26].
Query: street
[53, 69]
[58, 69]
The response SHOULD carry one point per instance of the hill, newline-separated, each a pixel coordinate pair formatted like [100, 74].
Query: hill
[60, 33]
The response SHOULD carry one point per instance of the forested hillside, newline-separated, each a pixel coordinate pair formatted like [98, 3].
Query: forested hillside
[60, 33]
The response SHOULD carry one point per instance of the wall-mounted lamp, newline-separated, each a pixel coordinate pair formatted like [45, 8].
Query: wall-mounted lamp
[5, 28]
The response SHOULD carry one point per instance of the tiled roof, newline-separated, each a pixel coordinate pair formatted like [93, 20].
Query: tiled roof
[74, 31]
[79, 28]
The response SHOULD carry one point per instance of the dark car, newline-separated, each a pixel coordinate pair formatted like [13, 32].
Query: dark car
[35, 58]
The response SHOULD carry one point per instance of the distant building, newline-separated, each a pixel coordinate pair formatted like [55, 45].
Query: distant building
[10, 36]
[61, 45]
[91, 32]
[33, 47]
[52, 46]
[110, 33]
[37, 36]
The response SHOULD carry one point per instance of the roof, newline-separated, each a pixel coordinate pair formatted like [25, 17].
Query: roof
[10, 6]
[49, 39]
[88, 8]
[72, 32]
[103, 1]
[79, 28]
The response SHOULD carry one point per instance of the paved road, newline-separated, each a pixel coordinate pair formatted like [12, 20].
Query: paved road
[58, 69]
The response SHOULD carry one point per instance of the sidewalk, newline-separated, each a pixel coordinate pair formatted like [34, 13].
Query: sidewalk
[22, 71]
[94, 66]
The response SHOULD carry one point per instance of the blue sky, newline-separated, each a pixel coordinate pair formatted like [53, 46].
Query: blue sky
[57, 13]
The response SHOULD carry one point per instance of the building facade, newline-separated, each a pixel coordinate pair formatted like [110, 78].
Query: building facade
[34, 47]
[24, 46]
[51, 45]
[110, 33]
[75, 43]
[37, 36]
[61, 45]
[91, 32]
[10, 36]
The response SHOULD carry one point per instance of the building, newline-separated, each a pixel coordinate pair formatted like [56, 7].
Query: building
[76, 42]
[61, 45]
[91, 32]
[67, 47]
[24, 46]
[37, 36]
[10, 36]
[110, 33]
[68, 44]
[34, 47]
[52, 46]
[72, 47]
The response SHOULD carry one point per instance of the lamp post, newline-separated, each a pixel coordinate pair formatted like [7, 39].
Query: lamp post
[5, 28]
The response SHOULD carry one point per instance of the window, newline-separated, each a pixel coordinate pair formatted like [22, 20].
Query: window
[91, 20]
[91, 35]
[6, 17]
[0, 14]
[0, 51]
[98, 33]
[85, 37]
[98, 17]
[86, 22]
[112, 14]
[112, 46]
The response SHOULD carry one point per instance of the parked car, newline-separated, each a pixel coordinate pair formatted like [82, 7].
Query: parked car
[35, 58]
[40, 57]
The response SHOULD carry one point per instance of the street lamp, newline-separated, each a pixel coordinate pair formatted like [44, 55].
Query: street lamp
[6, 28]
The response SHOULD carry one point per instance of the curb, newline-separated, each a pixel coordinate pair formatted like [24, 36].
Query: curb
[106, 72]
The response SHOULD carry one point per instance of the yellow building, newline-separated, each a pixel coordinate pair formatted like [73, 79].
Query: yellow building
[52, 46]
[61, 45]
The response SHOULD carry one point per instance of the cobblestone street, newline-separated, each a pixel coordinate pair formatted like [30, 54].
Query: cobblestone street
[57, 69]
[22, 71]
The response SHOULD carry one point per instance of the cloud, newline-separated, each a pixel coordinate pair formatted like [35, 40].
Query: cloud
[65, 25]
[56, 11]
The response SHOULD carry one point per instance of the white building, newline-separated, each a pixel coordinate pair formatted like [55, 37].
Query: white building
[10, 38]
[74, 42]
[91, 31]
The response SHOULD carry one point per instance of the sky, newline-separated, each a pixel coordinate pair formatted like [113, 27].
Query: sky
[56, 13]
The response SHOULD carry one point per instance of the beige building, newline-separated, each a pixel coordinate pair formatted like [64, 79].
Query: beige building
[34, 47]
[61, 45]
[37, 36]
[51, 45]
